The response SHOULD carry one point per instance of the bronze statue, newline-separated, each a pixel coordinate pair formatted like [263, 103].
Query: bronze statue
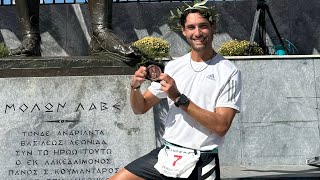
[103, 40]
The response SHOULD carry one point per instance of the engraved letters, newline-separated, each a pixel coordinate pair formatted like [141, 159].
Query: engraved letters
[71, 152]
[59, 107]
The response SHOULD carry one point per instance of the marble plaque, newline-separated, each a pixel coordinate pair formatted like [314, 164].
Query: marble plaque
[69, 128]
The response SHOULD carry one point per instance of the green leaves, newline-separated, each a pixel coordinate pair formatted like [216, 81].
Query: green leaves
[152, 48]
[4, 51]
[239, 48]
[200, 4]
[175, 15]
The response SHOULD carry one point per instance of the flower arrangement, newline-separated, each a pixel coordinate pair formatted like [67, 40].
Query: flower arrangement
[239, 48]
[4, 51]
[152, 49]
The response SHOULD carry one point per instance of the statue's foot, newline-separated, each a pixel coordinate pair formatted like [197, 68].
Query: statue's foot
[30, 46]
[104, 40]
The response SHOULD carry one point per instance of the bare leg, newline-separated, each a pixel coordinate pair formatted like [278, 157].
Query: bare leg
[124, 174]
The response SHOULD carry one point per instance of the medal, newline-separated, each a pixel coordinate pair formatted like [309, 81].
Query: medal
[153, 72]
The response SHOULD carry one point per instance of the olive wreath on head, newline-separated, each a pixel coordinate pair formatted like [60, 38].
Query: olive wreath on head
[174, 18]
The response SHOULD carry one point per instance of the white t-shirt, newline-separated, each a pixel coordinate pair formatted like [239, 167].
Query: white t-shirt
[210, 84]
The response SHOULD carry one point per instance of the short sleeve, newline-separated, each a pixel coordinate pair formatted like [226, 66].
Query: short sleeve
[230, 95]
[155, 89]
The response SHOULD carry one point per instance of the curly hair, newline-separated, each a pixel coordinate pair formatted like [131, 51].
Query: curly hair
[178, 17]
[203, 12]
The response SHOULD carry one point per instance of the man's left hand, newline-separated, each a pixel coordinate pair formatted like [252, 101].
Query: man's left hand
[168, 85]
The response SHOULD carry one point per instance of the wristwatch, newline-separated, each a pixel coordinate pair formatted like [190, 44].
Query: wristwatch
[182, 100]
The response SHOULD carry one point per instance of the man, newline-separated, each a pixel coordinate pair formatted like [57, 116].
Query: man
[103, 40]
[203, 93]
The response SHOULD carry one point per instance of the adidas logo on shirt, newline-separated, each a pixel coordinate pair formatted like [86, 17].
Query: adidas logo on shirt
[210, 76]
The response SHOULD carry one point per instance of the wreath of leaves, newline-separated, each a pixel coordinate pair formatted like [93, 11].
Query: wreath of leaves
[175, 15]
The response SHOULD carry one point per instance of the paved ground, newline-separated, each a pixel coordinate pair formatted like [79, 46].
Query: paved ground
[270, 172]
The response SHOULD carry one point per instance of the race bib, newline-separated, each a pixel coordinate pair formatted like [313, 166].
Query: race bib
[177, 162]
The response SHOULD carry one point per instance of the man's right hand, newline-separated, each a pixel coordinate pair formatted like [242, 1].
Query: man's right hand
[138, 77]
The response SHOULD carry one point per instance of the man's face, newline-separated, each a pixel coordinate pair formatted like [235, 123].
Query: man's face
[198, 32]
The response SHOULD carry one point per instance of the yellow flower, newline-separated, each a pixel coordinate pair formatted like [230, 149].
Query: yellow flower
[239, 48]
[152, 47]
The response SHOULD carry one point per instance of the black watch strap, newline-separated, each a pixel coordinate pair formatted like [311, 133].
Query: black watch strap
[182, 100]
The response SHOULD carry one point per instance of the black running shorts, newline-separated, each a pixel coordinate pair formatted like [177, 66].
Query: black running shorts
[144, 167]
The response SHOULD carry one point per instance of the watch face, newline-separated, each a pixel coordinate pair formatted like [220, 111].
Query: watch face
[183, 100]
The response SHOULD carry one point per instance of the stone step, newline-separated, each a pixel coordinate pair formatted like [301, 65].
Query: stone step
[18, 66]
[301, 172]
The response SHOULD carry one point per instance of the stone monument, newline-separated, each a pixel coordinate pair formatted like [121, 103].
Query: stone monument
[68, 118]
[103, 39]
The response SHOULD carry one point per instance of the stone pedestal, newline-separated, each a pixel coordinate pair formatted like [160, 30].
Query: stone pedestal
[68, 118]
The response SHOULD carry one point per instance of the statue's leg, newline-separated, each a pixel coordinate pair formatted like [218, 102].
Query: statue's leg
[28, 15]
[103, 39]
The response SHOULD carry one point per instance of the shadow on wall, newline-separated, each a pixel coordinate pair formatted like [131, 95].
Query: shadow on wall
[295, 22]
[160, 112]
[65, 32]
[64, 29]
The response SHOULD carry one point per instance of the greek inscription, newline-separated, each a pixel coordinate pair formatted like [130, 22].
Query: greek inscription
[24, 153]
[43, 152]
[80, 105]
[49, 107]
[81, 151]
[78, 153]
[58, 107]
[65, 152]
[117, 106]
[42, 143]
[23, 107]
[58, 162]
[34, 107]
[36, 133]
[88, 142]
[97, 151]
[27, 172]
[81, 132]
[61, 106]
[92, 107]
[67, 171]
[7, 106]
[32, 162]
[103, 106]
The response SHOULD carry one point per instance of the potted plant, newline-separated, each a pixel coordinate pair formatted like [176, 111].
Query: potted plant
[154, 50]
[239, 48]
